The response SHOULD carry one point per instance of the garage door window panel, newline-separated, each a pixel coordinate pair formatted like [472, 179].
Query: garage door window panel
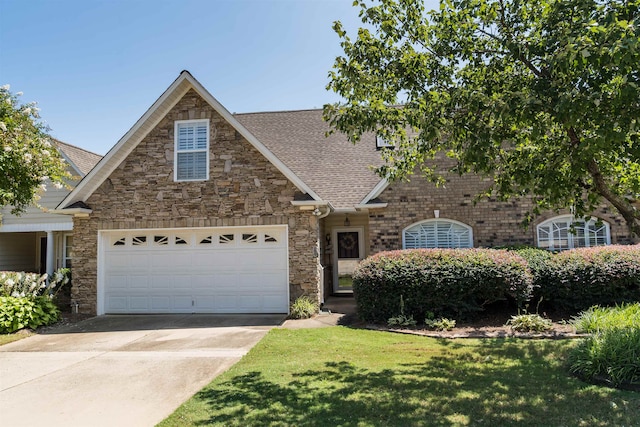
[226, 239]
[161, 240]
[139, 241]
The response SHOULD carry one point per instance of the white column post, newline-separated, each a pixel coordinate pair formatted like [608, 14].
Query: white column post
[50, 257]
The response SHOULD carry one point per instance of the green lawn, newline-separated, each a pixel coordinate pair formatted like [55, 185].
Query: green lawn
[348, 377]
[7, 338]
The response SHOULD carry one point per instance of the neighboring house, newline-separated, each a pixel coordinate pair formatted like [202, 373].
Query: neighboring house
[196, 209]
[38, 240]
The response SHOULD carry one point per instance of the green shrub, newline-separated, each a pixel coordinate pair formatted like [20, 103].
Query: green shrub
[20, 284]
[402, 319]
[612, 353]
[21, 312]
[611, 356]
[529, 323]
[540, 265]
[303, 308]
[598, 318]
[440, 324]
[581, 278]
[447, 282]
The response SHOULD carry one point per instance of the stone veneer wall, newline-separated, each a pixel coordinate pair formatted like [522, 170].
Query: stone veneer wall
[243, 189]
[494, 223]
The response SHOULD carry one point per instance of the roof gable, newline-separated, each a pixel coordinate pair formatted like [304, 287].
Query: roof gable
[150, 120]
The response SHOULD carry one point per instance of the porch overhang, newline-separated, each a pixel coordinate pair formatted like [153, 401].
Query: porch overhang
[77, 212]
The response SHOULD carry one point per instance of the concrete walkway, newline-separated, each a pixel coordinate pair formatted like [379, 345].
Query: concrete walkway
[337, 310]
[120, 370]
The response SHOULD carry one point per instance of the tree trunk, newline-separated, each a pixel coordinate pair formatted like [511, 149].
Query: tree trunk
[626, 209]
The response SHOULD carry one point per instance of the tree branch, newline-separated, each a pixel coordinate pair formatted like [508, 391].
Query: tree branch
[626, 209]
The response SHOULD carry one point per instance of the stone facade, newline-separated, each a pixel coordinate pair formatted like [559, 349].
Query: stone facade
[243, 189]
[494, 223]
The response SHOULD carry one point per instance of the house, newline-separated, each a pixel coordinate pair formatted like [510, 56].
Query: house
[38, 240]
[196, 209]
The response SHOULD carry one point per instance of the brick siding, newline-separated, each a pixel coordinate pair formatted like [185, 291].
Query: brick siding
[494, 223]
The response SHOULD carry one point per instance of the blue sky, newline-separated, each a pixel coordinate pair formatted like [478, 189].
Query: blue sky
[95, 66]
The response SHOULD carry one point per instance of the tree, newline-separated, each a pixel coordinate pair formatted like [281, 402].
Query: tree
[541, 95]
[28, 160]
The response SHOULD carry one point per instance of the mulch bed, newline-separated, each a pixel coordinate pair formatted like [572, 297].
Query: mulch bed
[489, 324]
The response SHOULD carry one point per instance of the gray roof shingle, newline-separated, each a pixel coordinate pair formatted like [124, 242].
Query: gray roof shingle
[339, 172]
[82, 159]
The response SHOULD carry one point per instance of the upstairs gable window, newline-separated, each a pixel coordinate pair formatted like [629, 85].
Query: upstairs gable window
[191, 150]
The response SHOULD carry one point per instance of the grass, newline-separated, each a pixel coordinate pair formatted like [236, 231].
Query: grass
[348, 377]
[16, 336]
[603, 318]
[612, 353]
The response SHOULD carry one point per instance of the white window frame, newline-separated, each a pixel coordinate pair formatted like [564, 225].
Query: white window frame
[177, 151]
[440, 222]
[65, 250]
[563, 222]
[381, 143]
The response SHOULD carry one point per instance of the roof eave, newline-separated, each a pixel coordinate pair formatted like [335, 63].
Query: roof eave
[377, 190]
[77, 212]
[368, 206]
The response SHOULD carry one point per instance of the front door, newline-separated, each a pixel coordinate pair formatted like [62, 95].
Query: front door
[349, 250]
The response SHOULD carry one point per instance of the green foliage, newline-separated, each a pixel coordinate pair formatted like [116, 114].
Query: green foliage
[529, 322]
[26, 312]
[610, 356]
[539, 263]
[597, 318]
[21, 284]
[28, 160]
[303, 308]
[447, 282]
[542, 96]
[580, 278]
[27, 300]
[612, 352]
[439, 324]
[402, 319]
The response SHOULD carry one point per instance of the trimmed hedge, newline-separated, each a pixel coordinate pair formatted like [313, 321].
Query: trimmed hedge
[577, 279]
[445, 282]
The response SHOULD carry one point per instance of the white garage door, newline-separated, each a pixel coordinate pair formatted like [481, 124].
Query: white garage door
[207, 270]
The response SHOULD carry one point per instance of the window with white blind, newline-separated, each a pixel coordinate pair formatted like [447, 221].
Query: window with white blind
[437, 233]
[191, 150]
[556, 234]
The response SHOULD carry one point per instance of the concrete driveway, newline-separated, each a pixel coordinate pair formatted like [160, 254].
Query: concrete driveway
[120, 370]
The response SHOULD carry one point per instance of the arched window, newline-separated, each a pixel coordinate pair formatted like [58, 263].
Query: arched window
[556, 234]
[437, 233]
